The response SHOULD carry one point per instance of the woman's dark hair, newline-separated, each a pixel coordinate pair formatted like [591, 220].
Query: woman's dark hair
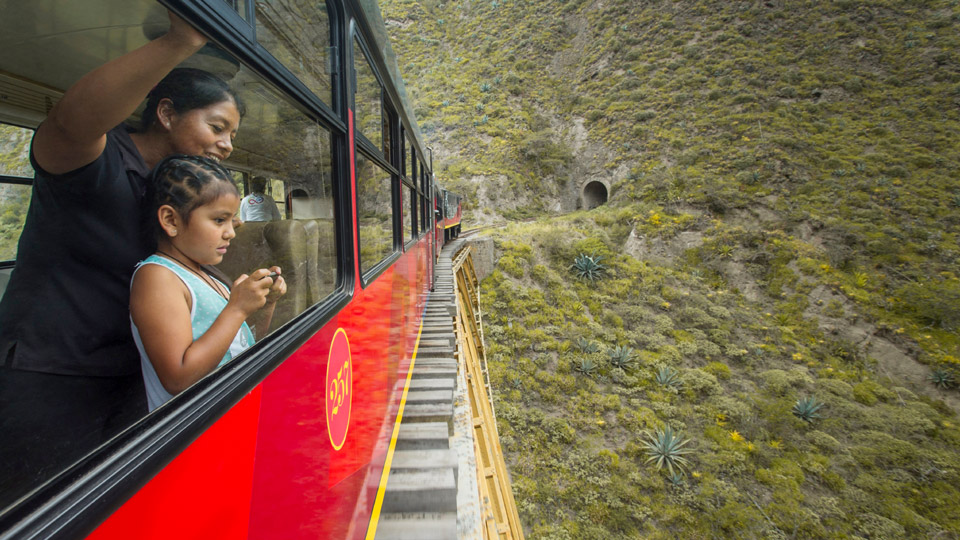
[185, 183]
[188, 89]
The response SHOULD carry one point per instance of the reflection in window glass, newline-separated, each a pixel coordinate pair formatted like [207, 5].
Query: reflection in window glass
[240, 6]
[238, 180]
[405, 207]
[388, 140]
[293, 154]
[374, 213]
[367, 99]
[407, 160]
[297, 33]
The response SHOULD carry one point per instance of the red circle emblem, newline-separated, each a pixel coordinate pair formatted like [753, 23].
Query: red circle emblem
[339, 389]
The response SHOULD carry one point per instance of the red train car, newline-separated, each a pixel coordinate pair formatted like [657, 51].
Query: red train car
[289, 439]
[449, 214]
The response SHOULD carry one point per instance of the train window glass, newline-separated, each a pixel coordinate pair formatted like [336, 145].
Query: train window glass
[423, 216]
[14, 198]
[367, 100]
[407, 213]
[388, 139]
[14, 201]
[240, 6]
[240, 180]
[374, 212]
[297, 33]
[15, 151]
[292, 155]
[407, 160]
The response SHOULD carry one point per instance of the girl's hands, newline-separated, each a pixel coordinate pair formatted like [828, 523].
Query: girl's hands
[249, 293]
[279, 287]
[252, 292]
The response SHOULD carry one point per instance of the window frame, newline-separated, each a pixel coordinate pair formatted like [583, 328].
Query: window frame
[369, 275]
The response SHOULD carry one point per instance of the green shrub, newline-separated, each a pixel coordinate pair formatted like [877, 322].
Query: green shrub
[718, 369]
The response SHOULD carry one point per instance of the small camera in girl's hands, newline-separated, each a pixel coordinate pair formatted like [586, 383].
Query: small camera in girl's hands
[272, 275]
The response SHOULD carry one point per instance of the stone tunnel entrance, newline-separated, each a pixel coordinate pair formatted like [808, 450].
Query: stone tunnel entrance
[594, 194]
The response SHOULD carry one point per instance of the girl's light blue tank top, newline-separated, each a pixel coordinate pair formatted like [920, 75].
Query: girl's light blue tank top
[205, 307]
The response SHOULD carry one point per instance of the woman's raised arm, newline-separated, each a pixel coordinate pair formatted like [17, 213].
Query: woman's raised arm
[74, 133]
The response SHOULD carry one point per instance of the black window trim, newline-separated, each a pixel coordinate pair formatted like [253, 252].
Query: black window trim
[357, 40]
[219, 21]
[17, 180]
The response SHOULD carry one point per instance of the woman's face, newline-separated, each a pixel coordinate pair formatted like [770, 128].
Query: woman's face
[207, 131]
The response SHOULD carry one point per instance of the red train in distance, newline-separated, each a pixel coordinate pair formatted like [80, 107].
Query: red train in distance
[450, 213]
[289, 439]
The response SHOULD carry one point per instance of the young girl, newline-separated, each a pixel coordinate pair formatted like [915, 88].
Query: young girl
[186, 322]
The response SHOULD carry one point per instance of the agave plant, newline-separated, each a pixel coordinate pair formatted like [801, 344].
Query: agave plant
[676, 479]
[586, 346]
[942, 378]
[666, 447]
[588, 267]
[667, 376]
[516, 383]
[806, 408]
[621, 357]
[586, 366]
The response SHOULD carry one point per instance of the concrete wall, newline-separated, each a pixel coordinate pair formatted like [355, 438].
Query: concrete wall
[483, 256]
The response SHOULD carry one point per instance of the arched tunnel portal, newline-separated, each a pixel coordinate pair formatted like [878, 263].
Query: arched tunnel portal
[594, 194]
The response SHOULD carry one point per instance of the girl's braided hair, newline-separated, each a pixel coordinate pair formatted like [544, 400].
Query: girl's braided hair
[185, 183]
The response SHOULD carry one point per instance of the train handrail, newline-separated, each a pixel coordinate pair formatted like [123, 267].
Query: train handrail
[500, 516]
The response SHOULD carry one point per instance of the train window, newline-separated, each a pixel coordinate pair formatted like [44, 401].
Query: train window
[407, 160]
[423, 215]
[374, 212]
[297, 33]
[240, 6]
[15, 151]
[388, 137]
[407, 211]
[14, 196]
[368, 108]
[292, 156]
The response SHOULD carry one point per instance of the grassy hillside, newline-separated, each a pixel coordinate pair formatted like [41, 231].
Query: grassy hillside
[783, 224]
[586, 372]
